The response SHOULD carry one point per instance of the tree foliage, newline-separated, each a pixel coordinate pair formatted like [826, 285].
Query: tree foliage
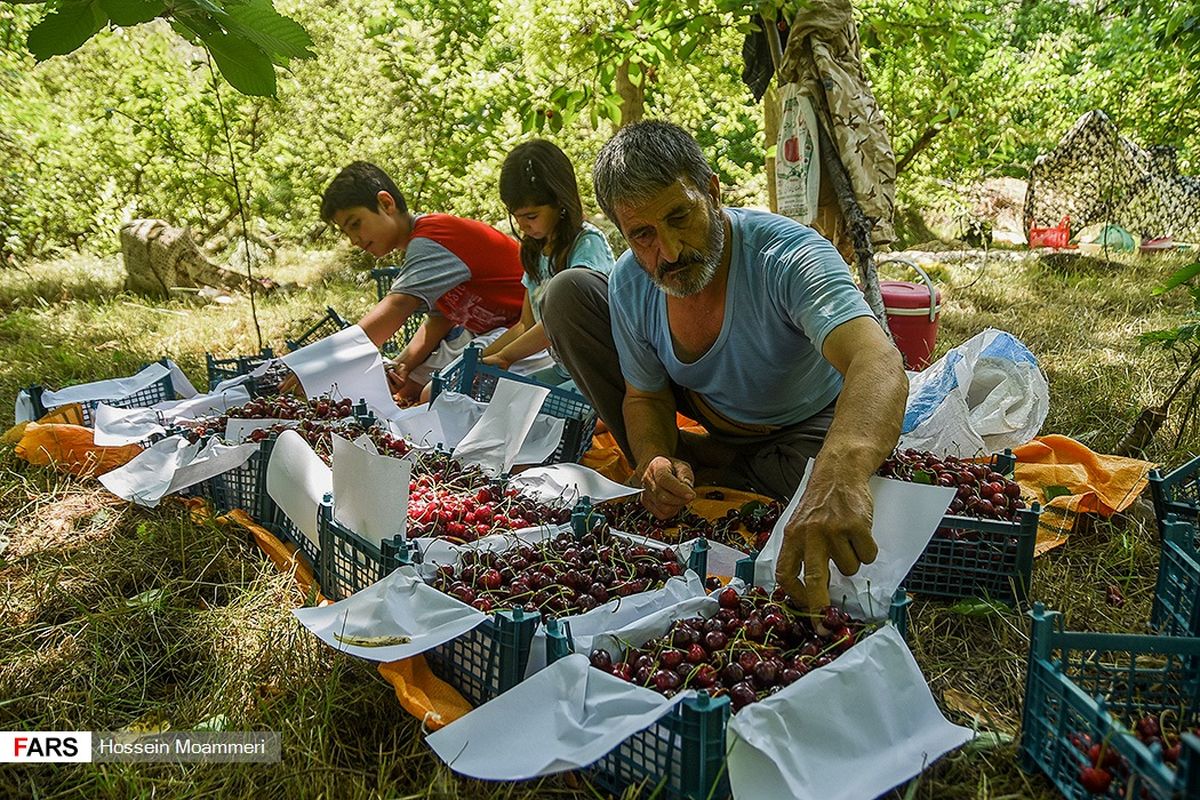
[438, 91]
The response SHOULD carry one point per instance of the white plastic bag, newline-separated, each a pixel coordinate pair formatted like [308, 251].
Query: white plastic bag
[981, 397]
[797, 169]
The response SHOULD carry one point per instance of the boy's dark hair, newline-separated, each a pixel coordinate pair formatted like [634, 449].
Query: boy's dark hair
[537, 173]
[359, 184]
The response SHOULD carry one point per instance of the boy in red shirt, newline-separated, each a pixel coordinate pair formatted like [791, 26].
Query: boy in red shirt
[466, 275]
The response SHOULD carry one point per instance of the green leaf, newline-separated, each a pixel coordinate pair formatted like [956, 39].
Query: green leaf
[1182, 276]
[132, 12]
[278, 36]
[924, 477]
[1056, 491]
[974, 607]
[65, 30]
[244, 64]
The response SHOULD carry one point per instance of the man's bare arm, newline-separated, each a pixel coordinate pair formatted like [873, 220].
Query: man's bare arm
[834, 518]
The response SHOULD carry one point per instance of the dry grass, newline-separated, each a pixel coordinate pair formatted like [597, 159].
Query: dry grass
[114, 617]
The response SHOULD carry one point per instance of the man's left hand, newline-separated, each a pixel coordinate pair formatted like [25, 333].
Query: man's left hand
[833, 521]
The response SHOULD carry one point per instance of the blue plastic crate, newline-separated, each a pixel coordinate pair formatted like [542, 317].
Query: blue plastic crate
[349, 563]
[157, 392]
[243, 487]
[222, 369]
[1176, 609]
[467, 376]
[969, 557]
[1177, 492]
[489, 660]
[329, 323]
[682, 756]
[1098, 685]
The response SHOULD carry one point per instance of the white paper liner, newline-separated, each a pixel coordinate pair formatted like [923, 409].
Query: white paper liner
[370, 491]
[849, 730]
[399, 605]
[345, 364]
[569, 715]
[172, 465]
[905, 517]
[298, 480]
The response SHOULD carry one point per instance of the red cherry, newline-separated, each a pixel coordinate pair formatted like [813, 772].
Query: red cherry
[1095, 779]
[728, 598]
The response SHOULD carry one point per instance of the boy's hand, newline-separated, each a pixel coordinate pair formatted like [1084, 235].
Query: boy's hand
[497, 361]
[397, 375]
[667, 486]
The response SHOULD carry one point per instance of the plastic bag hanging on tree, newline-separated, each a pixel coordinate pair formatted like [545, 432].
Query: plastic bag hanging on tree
[797, 164]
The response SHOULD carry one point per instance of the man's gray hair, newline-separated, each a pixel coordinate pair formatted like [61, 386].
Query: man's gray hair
[644, 158]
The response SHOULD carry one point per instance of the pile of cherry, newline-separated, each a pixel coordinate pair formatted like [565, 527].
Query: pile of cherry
[981, 491]
[560, 575]
[317, 418]
[1105, 763]
[751, 648]
[457, 501]
[757, 518]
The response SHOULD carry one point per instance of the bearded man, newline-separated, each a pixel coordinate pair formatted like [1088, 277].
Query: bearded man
[747, 322]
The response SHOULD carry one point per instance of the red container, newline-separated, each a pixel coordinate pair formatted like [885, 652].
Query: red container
[913, 311]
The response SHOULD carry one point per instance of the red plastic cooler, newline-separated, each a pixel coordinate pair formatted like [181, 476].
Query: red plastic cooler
[912, 311]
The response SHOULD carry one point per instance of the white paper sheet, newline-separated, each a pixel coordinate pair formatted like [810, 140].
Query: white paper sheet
[171, 465]
[904, 519]
[120, 426]
[638, 630]
[23, 407]
[852, 729]
[616, 614]
[494, 441]
[420, 425]
[111, 389]
[179, 382]
[297, 480]
[399, 605]
[563, 484]
[456, 414]
[346, 364]
[370, 491]
[569, 715]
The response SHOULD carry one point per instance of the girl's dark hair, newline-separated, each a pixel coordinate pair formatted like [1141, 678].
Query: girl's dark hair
[537, 173]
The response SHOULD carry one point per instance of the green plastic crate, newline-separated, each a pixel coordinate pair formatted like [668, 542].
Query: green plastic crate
[350, 563]
[279, 524]
[680, 757]
[1098, 685]
[328, 324]
[488, 660]
[990, 559]
[468, 376]
[161, 390]
[1176, 610]
[1177, 492]
[222, 369]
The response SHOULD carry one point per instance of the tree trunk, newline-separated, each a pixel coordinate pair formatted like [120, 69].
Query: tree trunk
[771, 134]
[633, 95]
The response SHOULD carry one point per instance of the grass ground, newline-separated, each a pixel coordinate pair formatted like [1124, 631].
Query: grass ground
[115, 617]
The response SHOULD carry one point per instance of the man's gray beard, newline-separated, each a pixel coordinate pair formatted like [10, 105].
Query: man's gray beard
[693, 282]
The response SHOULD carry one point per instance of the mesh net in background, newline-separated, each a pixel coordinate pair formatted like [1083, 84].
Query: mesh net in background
[1095, 175]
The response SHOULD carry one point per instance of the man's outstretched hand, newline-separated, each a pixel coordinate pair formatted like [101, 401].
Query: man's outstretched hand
[833, 521]
[667, 486]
